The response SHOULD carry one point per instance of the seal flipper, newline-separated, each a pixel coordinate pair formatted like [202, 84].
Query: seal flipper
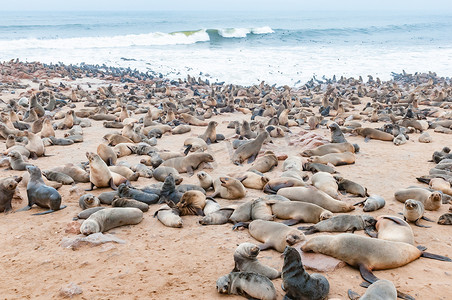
[187, 149]
[268, 190]
[91, 188]
[352, 295]
[370, 230]
[28, 207]
[264, 246]
[427, 219]
[309, 229]
[291, 222]
[435, 256]
[359, 203]
[240, 225]
[33, 155]
[423, 180]
[112, 184]
[199, 212]
[420, 225]
[252, 158]
[396, 220]
[367, 274]
[110, 162]
[364, 284]
[208, 141]
[49, 211]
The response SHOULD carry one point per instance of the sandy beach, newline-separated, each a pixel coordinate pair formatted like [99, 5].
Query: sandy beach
[158, 262]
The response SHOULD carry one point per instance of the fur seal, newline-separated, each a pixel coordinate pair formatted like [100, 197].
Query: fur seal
[142, 170]
[245, 259]
[249, 150]
[260, 210]
[211, 206]
[336, 159]
[445, 219]
[162, 172]
[329, 148]
[205, 180]
[272, 234]
[314, 196]
[247, 284]
[218, 217]
[292, 163]
[341, 223]
[125, 191]
[297, 283]
[108, 218]
[75, 172]
[351, 187]
[123, 202]
[372, 203]
[189, 163]
[181, 129]
[7, 189]
[84, 214]
[265, 163]
[317, 167]
[17, 162]
[242, 213]
[336, 134]
[379, 290]
[393, 229]
[34, 145]
[274, 185]
[413, 211]
[189, 119]
[195, 144]
[210, 135]
[40, 194]
[125, 172]
[372, 133]
[169, 194]
[253, 180]
[228, 188]
[88, 201]
[58, 177]
[99, 175]
[169, 216]
[325, 182]
[431, 200]
[295, 212]
[192, 203]
[107, 154]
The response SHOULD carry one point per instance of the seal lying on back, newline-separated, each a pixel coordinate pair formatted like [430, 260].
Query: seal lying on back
[341, 223]
[40, 194]
[248, 284]
[379, 290]
[245, 258]
[108, 218]
[297, 283]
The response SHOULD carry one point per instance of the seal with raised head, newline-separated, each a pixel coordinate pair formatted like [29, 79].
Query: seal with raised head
[245, 259]
[413, 211]
[99, 175]
[250, 150]
[210, 135]
[341, 223]
[41, 194]
[297, 283]
[188, 163]
[17, 162]
[247, 284]
[108, 218]
[88, 200]
[336, 134]
[431, 200]
[192, 203]
[228, 188]
[107, 154]
[162, 172]
[7, 189]
[205, 180]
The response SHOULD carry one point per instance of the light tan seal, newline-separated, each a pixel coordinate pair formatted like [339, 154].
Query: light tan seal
[314, 196]
[379, 290]
[431, 200]
[107, 154]
[295, 212]
[228, 188]
[169, 216]
[245, 259]
[205, 180]
[188, 163]
[108, 218]
[391, 228]
[329, 148]
[265, 163]
[372, 133]
[99, 175]
[336, 159]
[250, 150]
[273, 235]
[253, 180]
[210, 135]
[189, 119]
[325, 182]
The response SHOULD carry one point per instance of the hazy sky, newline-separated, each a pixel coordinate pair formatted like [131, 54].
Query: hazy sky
[281, 5]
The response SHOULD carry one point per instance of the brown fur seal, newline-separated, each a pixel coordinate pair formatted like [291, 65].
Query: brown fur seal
[189, 163]
[88, 201]
[34, 145]
[189, 119]
[76, 173]
[218, 217]
[249, 150]
[17, 162]
[228, 188]
[273, 235]
[58, 177]
[115, 139]
[194, 144]
[205, 180]
[124, 149]
[393, 229]
[366, 253]
[126, 172]
[265, 163]
[336, 159]
[372, 133]
[210, 135]
[312, 195]
[106, 219]
[329, 148]
[372, 203]
[431, 200]
[297, 283]
[325, 182]
[379, 290]
[247, 284]
[192, 203]
[99, 175]
[350, 187]
[260, 210]
[242, 213]
[107, 154]
[439, 184]
[124, 202]
[413, 211]
[253, 180]
[169, 216]
[295, 212]
[181, 129]
[245, 258]
[40, 194]
[274, 185]
[445, 219]
[341, 223]
[7, 189]
[162, 172]
[47, 129]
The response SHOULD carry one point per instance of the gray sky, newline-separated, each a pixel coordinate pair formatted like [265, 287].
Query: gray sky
[236, 5]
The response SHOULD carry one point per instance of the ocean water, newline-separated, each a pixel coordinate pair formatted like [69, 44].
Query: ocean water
[236, 47]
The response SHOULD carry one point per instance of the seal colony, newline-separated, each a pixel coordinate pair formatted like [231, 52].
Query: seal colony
[254, 149]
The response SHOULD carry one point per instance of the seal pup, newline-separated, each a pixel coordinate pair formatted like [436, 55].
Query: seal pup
[336, 134]
[17, 162]
[431, 200]
[99, 175]
[379, 290]
[210, 135]
[124, 202]
[218, 217]
[188, 163]
[274, 185]
[247, 284]
[350, 186]
[108, 218]
[372, 203]
[297, 283]
[250, 150]
[40, 194]
[162, 172]
[58, 177]
[413, 211]
[205, 180]
[445, 219]
[245, 259]
[7, 189]
[169, 216]
[192, 203]
[125, 191]
[391, 228]
[341, 223]
[228, 188]
[273, 235]
[88, 200]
